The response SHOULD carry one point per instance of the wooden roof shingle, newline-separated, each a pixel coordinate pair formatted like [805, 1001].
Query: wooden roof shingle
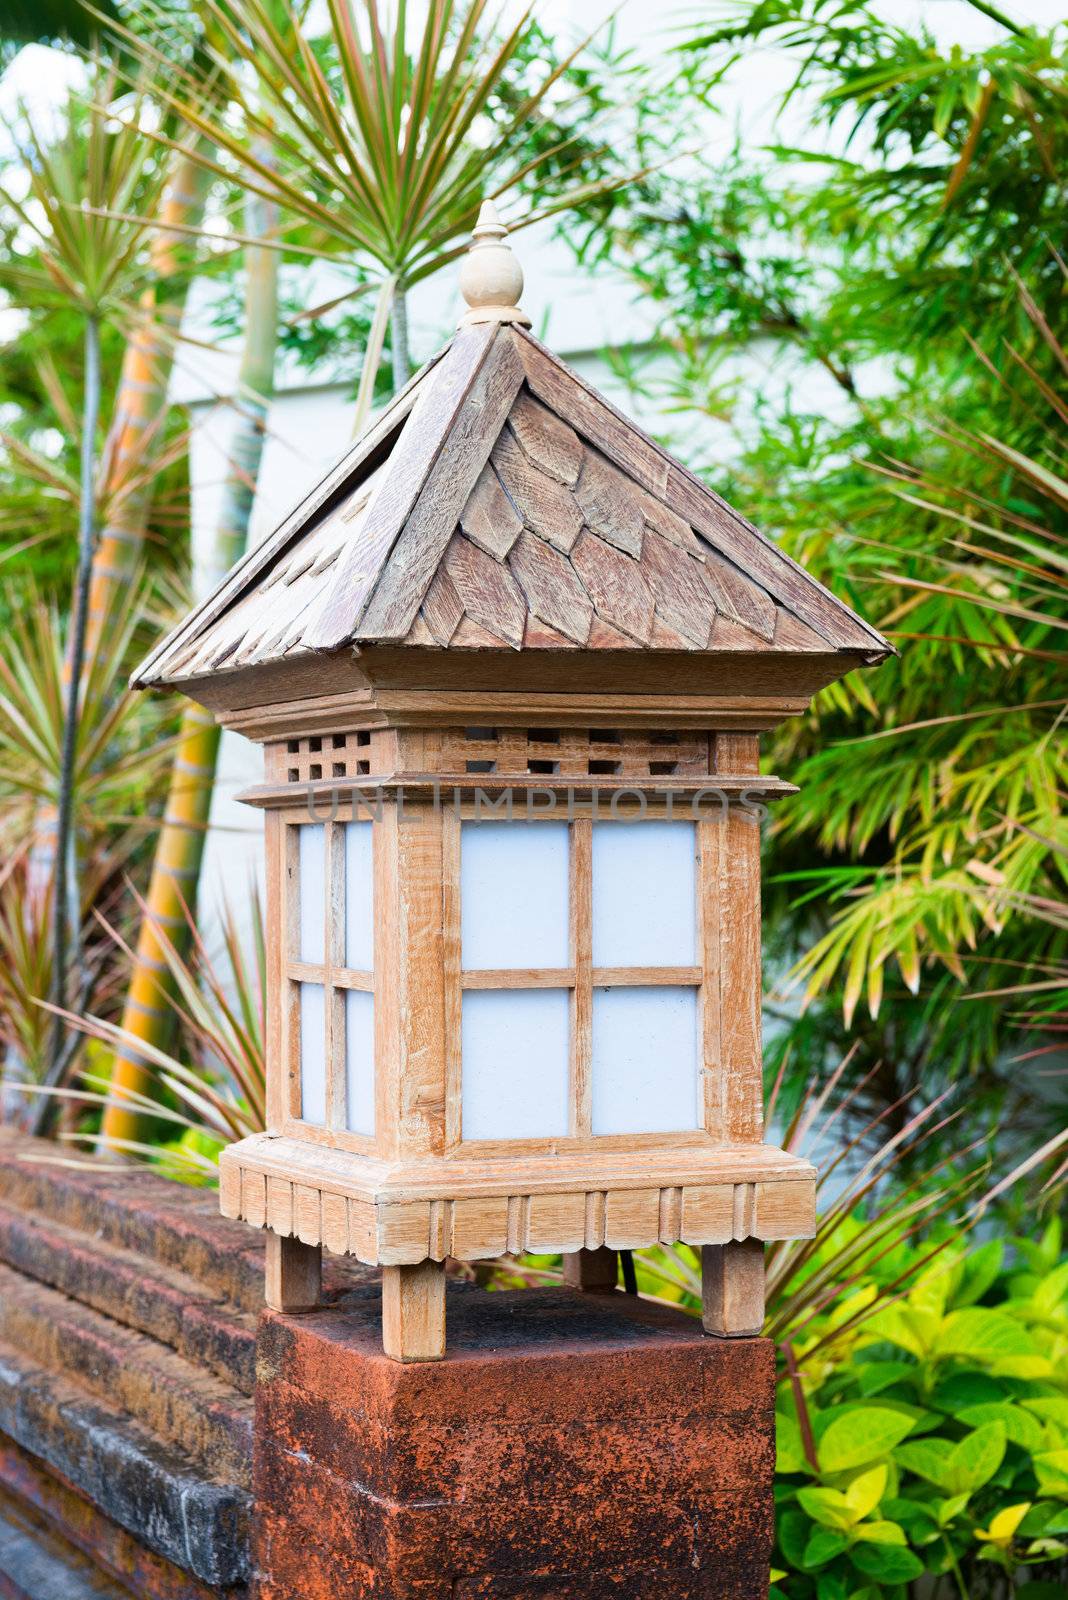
[501, 503]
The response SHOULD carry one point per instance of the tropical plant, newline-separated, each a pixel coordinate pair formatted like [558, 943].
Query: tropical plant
[121, 759]
[898, 460]
[85, 240]
[209, 1091]
[384, 135]
[931, 1442]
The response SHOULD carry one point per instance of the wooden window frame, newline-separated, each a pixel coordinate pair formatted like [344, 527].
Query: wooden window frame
[580, 979]
[331, 974]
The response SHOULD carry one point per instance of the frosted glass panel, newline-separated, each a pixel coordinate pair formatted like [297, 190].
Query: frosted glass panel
[645, 1077]
[513, 894]
[359, 898]
[312, 871]
[359, 1061]
[644, 894]
[313, 1053]
[515, 1063]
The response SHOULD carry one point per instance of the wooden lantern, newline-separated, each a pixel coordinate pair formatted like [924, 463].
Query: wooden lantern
[510, 663]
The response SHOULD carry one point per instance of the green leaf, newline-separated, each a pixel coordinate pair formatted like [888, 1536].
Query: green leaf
[792, 1529]
[1051, 1470]
[881, 1532]
[789, 1450]
[828, 1507]
[1050, 1407]
[874, 1376]
[974, 1461]
[886, 1562]
[981, 1269]
[927, 1458]
[861, 1436]
[1052, 1289]
[980, 1334]
[967, 1389]
[823, 1546]
[1020, 1427]
[916, 1517]
[865, 1491]
[950, 1508]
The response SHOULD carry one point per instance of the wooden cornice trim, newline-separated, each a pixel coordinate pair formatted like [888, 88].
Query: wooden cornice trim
[316, 795]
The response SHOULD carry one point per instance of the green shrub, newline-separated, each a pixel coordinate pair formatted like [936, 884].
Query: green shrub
[931, 1440]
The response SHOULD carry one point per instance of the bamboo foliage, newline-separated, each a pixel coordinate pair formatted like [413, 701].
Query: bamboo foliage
[980, 836]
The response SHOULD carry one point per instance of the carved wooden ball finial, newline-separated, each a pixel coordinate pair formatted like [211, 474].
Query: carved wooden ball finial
[491, 279]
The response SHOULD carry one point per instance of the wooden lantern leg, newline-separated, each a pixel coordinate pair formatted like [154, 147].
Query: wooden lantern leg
[413, 1312]
[596, 1271]
[294, 1275]
[732, 1288]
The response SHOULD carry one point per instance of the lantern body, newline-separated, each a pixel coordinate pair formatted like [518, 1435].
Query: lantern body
[510, 666]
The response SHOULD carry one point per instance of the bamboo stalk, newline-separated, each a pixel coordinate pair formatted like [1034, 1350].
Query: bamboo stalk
[142, 393]
[66, 903]
[180, 846]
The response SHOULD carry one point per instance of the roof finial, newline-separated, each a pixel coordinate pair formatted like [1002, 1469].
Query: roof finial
[491, 279]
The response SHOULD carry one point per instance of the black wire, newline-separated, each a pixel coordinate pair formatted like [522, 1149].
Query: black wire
[630, 1277]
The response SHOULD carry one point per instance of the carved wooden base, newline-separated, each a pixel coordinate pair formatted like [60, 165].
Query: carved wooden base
[727, 1199]
[387, 1215]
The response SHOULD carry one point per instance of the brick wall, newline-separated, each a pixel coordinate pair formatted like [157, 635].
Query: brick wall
[162, 1437]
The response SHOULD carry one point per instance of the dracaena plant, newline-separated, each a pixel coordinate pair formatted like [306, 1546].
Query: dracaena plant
[211, 1088]
[378, 137]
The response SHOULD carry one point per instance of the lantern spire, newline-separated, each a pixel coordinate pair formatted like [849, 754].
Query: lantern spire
[491, 279]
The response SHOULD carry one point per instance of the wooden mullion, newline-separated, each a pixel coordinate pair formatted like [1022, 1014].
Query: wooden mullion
[709, 909]
[350, 978]
[290, 1030]
[646, 977]
[453, 976]
[333, 946]
[518, 978]
[581, 903]
[306, 971]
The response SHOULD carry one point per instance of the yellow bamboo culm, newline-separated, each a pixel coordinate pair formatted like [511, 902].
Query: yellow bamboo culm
[147, 1015]
[142, 395]
[175, 870]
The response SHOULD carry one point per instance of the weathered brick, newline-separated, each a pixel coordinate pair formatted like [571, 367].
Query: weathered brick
[145, 1574]
[567, 1446]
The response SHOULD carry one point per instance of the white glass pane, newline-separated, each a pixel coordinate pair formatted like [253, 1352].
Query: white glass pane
[645, 1077]
[359, 1061]
[313, 1053]
[312, 870]
[513, 894]
[644, 894]
[359, 898]
[515, 1063]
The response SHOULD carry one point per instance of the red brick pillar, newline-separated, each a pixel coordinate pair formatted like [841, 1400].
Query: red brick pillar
[571, 1447]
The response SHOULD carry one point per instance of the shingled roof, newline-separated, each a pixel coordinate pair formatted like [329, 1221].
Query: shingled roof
[500, 503]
